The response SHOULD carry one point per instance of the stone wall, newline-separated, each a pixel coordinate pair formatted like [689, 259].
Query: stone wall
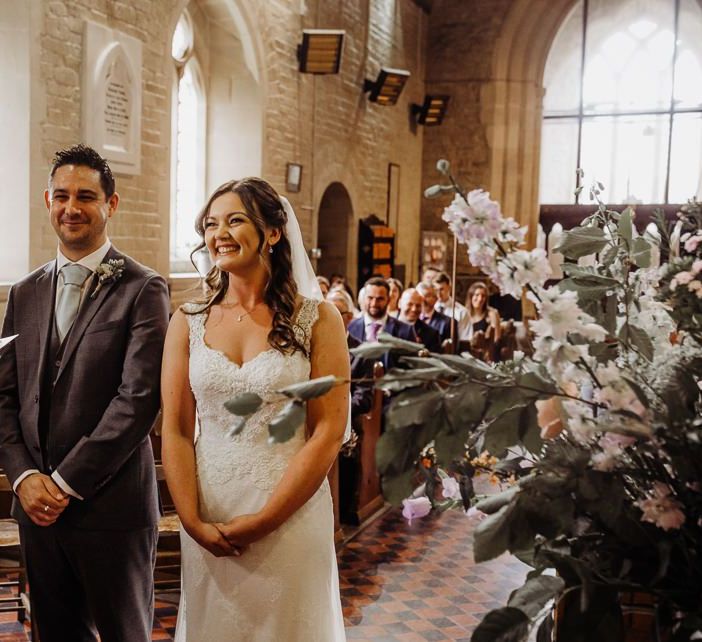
[324, 123]
[461, 45]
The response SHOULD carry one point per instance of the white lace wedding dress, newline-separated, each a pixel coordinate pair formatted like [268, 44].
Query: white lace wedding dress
[285, 587]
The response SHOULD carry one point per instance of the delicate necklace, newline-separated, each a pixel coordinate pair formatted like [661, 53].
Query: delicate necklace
[240, 317]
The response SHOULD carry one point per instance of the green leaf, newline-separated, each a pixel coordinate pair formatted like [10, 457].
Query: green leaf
[370, 350]
[244, 404]
[503, 431]
[492, 534]
[529, 429]
[471, 366]
[641, 252]
[492, 503]
[237, 426]
[396, 451]
[608, 255]
[410, 408]
[537, 383]
[584, 290]
[283, 426]
[398, 379]
[588, 275]
[397, 487]
[625, 227]
[535, 594]
[464, 405]
[582, 241]
[407, 346]
[635, 336]
[311, 389]
[449, 443]
[502, 625]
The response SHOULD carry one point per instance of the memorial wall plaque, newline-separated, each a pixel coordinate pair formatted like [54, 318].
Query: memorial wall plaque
[112, 96]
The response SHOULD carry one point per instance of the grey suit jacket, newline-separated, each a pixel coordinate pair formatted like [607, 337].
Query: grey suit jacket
[103, 399]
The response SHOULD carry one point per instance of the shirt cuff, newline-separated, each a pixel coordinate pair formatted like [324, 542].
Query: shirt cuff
[22, 477]
[61, 483]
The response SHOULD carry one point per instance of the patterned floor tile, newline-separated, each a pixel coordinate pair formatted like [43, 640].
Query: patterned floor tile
[399, 583]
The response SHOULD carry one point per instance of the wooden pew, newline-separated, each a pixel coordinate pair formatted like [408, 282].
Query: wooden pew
[370, 499]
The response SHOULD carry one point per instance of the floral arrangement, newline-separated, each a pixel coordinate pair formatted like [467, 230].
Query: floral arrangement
[107, 272]
[595, 438]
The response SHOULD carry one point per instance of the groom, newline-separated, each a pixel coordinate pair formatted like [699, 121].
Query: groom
[79, 391]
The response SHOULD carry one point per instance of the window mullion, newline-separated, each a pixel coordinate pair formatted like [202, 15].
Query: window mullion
[672, 103]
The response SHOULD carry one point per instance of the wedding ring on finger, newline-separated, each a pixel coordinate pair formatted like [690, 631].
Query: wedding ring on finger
[46, 508]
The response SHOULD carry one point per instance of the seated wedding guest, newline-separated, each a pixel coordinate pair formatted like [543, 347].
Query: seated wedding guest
[361, 393]
[375, 318]
[411, 303]
[361, 403]
[395, 292]
[335, 278]
[324, 286]
[361, 300]
[445, 302]
[481, 316]
[440, 322]
[339, 284]
[429, 274]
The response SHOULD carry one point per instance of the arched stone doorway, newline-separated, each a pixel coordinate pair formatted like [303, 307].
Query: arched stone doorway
[512, 104]
[333, 226]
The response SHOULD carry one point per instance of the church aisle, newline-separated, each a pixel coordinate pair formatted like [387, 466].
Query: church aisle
[399, 583]
[402, 583]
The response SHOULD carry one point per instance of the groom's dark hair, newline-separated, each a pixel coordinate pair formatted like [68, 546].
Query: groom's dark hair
[88, 157]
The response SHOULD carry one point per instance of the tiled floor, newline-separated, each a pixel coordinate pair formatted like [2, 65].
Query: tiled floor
[398, 583]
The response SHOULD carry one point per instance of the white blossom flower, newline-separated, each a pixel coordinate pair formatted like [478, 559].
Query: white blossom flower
[522, 268]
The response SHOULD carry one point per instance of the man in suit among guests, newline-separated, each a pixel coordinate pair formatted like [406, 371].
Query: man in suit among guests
[439, 322]
[79, 392]
[375, 318]
[361, 392]
[445, 303]
[410, 306]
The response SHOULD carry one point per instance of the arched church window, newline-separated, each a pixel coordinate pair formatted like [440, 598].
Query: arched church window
[623, 101]
[188, 146]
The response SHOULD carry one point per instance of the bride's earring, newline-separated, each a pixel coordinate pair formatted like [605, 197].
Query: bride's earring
[270, 249]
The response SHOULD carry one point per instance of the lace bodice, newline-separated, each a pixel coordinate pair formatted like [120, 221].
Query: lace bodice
[215, 379]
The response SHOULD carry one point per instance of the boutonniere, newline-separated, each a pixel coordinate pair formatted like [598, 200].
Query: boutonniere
[107, 273]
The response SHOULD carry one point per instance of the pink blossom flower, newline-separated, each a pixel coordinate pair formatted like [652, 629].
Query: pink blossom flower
[692, 242]
[693, 286]
[683, 278]
[661, 509]
[415, 508]
[697, 266]
[450, 488]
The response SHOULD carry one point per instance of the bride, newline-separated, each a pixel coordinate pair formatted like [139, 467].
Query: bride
[258, 560]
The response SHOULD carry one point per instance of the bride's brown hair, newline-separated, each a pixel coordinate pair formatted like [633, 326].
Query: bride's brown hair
[265, 210]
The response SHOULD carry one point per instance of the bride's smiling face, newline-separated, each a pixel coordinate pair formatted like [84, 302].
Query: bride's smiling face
[231, 237]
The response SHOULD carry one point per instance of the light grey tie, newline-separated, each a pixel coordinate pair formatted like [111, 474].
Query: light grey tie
[74, 276]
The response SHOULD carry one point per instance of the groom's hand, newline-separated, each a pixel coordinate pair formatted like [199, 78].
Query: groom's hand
[41, 499]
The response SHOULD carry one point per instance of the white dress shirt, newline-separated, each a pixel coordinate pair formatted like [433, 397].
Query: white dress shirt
[462, 317]
[91, 262]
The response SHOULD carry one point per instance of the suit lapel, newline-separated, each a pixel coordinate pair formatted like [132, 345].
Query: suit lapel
[88, 309]
[45, 289]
